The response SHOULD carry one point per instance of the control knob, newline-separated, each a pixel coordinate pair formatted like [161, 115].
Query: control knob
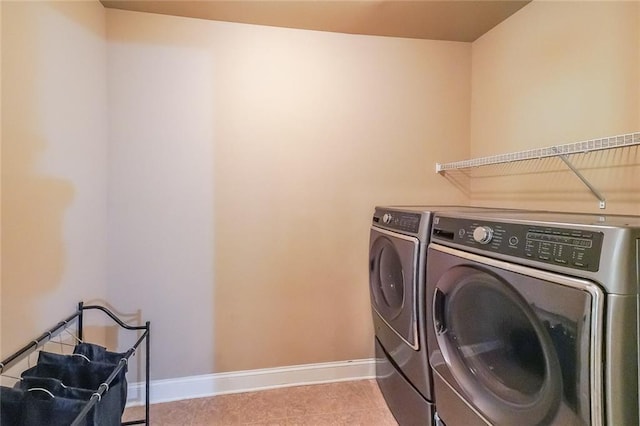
[386, 218]
[483, 234]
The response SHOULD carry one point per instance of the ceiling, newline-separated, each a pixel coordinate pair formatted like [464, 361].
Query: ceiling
[454, 20]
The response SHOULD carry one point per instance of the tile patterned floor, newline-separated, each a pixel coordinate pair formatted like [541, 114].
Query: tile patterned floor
[333, 404]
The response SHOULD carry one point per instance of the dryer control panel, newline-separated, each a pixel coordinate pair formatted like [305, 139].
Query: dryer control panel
[397, 220]
[570, 247]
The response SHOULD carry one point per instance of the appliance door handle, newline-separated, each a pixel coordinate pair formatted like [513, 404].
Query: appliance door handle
[439, 299]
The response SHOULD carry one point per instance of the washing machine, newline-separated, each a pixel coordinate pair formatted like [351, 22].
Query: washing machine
[534, 318]
[397, 247]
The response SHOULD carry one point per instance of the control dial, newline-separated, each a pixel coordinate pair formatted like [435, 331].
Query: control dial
[386, 218]
[483, 234]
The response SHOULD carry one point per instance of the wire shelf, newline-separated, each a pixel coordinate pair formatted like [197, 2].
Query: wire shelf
[560, 151]
[619, 141]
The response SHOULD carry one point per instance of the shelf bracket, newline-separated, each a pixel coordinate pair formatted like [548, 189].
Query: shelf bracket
[594, 191]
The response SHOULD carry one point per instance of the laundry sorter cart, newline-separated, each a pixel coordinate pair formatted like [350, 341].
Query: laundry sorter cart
[87, 387]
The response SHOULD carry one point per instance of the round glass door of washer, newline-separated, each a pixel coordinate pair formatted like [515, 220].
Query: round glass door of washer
[496, 347]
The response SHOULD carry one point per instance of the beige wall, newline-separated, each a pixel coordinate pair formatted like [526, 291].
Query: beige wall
[555, 73]
[54, 145]
[245, 165]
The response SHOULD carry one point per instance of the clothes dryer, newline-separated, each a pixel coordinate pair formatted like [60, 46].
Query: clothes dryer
[397, 244]
[397, 248]
[534, 318]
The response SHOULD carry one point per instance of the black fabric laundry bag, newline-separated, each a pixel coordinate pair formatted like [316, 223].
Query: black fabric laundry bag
[98, 353]
[103, 415]
[38, 408]
[10, 406]
[76, 371]
[119, 382]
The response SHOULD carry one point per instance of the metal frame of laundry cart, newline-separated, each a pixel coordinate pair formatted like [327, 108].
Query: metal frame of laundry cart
[104, 387]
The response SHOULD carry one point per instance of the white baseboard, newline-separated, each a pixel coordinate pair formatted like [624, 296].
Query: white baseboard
[250, 380]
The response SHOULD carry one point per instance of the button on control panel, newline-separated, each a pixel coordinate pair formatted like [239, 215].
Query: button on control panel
[483, 234]
[568, 247]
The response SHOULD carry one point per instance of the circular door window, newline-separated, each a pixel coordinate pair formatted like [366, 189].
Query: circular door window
[386, 278]
[497, 349]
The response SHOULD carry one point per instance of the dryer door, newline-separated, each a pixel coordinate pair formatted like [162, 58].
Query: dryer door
[393, 260]
[517, 347]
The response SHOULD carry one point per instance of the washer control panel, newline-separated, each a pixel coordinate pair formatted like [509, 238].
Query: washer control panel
[570, 247]
[396, 220]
